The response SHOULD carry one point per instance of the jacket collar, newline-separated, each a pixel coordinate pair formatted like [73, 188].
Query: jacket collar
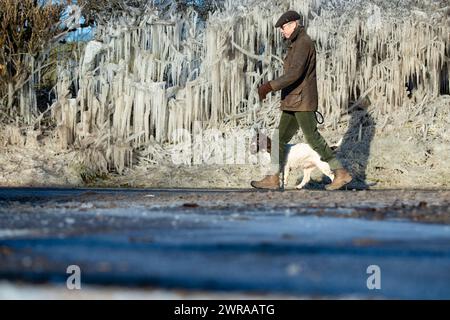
[298, 31]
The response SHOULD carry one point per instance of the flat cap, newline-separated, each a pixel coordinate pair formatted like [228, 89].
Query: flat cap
[286, 17]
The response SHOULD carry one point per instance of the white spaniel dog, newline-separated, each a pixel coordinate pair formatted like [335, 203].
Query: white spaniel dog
[299, 155]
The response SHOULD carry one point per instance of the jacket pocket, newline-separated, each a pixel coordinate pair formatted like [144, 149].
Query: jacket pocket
[292, 99]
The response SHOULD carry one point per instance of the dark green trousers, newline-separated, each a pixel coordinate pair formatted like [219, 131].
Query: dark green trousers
[290, 122]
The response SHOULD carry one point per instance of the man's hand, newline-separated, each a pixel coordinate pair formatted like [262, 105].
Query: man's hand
[263, 90]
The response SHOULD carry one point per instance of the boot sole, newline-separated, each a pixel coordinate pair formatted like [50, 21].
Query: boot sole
[266, 188]
[338, 187]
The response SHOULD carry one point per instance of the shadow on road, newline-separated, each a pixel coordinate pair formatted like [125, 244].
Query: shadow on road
[354, 151]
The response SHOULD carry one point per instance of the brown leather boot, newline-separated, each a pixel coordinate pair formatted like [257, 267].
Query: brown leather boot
[268, 182]
[341, 178]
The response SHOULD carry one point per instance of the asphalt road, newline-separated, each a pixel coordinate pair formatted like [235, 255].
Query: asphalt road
[302, 243]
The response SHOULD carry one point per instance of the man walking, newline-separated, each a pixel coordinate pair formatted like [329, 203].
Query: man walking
[299, 101]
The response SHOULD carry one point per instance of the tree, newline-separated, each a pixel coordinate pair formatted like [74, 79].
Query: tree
[101, 11]
[28, 29]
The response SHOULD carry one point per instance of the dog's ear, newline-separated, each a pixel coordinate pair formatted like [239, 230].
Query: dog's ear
[260, 142]
[269, 145]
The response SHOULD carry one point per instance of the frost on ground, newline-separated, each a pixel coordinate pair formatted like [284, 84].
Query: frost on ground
[11, 291]
[400, 150]
[261, 243]
[383, 83]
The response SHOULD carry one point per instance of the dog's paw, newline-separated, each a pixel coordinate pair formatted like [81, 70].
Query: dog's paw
[299, 187]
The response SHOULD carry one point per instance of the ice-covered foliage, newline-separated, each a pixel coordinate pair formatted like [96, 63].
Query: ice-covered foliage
[145, 78]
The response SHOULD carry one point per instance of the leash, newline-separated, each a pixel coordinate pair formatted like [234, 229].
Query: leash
[321, 116]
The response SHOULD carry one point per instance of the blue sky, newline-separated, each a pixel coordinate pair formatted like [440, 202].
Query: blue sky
[81, 34]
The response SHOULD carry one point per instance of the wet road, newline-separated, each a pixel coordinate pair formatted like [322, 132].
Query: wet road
[301, 243]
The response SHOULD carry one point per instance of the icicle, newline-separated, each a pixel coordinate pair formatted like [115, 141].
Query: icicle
[213, 72]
